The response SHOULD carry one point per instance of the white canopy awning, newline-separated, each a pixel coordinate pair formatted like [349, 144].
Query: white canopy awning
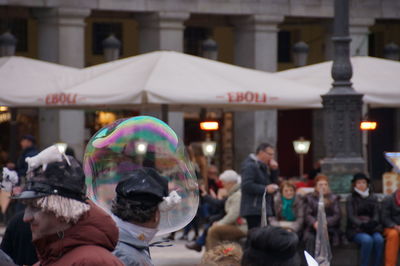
[376, 78]
[178, 79]
[27, 82]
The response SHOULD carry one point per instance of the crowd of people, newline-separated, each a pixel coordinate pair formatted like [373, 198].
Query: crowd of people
[248, 217]
[372, 225]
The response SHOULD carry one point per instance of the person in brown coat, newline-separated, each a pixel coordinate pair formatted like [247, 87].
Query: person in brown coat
[289, 208]
[67, 229]
[332, 210]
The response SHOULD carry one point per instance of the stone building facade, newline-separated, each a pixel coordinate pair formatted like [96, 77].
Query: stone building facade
[252, 33]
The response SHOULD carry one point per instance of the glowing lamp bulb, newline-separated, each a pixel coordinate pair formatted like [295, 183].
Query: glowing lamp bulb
[141, 147]
[209, 125]
[368, 125]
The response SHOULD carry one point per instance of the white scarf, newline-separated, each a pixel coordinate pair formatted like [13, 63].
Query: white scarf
[363, 194]
[135, 230]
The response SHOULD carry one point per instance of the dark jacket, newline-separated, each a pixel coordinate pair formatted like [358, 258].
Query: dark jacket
[17, 241]
[22, 166]
[362, 215]
[255, 177]
[390, 211]
[89, 242]
[298, 209]
[332, 210]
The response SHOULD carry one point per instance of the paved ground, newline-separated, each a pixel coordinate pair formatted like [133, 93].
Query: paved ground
[177, 255]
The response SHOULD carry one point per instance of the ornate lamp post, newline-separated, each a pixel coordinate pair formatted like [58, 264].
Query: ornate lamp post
[300, 54]
[342, 110]
[301, 147]
[111, 48]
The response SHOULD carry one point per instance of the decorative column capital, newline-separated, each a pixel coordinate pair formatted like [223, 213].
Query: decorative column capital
[260, 23]
[162, 20]
[360, 25]
[65, 16]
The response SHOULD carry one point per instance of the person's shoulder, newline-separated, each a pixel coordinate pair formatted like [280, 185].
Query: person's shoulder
[90, 255]
[129, 254]
[334, 197]
[388, 198]
[350, 197]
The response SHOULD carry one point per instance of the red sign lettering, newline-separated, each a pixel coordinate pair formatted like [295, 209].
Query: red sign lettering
[247, 97]
[61, 98]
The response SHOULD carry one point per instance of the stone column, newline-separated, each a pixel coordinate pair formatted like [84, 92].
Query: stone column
[61, 40]
[359, 30]
[256, 42]
[163, 31]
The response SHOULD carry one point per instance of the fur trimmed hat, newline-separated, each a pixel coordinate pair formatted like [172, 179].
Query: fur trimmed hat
[56, 183]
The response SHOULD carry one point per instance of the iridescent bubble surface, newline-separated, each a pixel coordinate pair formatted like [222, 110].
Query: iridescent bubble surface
[137, 142]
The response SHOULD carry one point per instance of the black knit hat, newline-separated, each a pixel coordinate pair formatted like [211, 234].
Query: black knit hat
[270, 244]
[65, 178]
[359, 176]
[143, 186]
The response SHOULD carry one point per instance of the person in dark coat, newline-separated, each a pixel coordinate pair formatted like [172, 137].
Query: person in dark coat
[332, 210]
[259, 174]
[391, 225]
[17, 241]
[28, 150]
[67, 228]
[363, 223]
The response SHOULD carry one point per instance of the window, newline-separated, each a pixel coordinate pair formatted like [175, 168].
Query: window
[284, 47]
[101, 31]
[193, 37]
[19, 28]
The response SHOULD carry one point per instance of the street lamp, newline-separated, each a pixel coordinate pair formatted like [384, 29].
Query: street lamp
[111, 48]
[391, 51]
[141, 147]
[209, 148]
[8, 44]
[209, 49]
[300, 53]
[301, 147]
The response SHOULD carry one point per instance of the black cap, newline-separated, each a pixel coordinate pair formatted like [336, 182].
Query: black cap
[30, 138]
[143, 186]
[271, 242]
[359, 176]
[63, 178]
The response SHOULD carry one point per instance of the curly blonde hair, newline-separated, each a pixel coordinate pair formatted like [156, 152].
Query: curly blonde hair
[225, 254]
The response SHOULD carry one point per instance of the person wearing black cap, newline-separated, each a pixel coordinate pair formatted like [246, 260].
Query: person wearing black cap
[137, 213]
[67, 229]
[273, 246]
[363, 223]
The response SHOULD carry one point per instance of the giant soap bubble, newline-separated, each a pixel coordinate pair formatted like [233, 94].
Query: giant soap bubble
[134, 143]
